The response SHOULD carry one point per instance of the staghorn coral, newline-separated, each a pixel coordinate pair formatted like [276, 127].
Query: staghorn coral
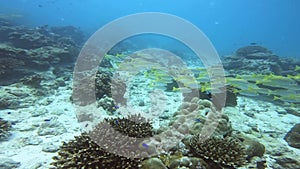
[84, 153]
[104, 147]
[224, 151]
[5, 126]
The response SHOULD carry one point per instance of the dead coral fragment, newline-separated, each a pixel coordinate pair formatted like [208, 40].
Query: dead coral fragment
[84, 153]
[225, 151]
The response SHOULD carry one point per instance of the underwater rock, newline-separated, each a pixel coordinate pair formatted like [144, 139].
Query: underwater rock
[107, 104]
[288, 163]
[32, 80]
[250, 50]
[69, 31]
[8, 163]
[178, 160]
[29, 40]
[52, 127]
[27, 50]
[50, 148]
[252, 147]
[9, 101]
[293, 136]
[231, 97]
[153, 163]
[87, 87]
[103, 84]
[259, 60]
[188, 162]
[5, 127]
[32, 140]
[292, 111]
[14, 97]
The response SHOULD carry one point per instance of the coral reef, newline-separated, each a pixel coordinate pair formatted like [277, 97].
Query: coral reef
[103, 84]
[259, 60]
[107, 104]
[132, 126]
[69, 32]
[107, 148]
[25, 51]
[224, 151]
[5, 126]
[84, 153]
[32, 80]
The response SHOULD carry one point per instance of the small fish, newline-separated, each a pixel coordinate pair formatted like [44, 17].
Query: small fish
[145, 145]
[40, 5]
[197, 120]
[253, 43]
[117, 122]
[288, 98]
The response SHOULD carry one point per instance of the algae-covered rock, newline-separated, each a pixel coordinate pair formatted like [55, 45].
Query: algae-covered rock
[5, 126]
[153, 163]
[8, 163]
[288, 163]
[293, 136]
[253, 148]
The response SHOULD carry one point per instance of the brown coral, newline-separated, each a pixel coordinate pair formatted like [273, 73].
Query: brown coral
[224, 151]
[84, 153]
[133, 126]
[107, 146]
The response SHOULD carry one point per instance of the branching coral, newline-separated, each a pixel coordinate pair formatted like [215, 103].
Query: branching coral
[107, 146]
[84, 153]
[224, 151]
[133, 126]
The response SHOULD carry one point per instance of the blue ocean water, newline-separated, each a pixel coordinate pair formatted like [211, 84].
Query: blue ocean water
[52, 87]
[228, 24]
